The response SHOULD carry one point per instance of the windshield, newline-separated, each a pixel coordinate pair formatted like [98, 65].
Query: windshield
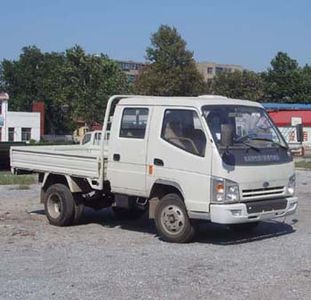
[86, 138]
[251, 125]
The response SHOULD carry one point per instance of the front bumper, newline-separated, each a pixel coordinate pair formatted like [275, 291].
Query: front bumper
[238, 212]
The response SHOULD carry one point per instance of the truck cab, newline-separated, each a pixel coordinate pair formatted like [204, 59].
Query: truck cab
[180, 145]
[205, 158]
[93, 138]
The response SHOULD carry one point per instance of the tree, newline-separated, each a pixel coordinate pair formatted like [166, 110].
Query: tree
[239, 85]
[20, 78]
[73, 85]
[283, 79]
[171, 70]
[36, 76]
[304, 93]
[91, 79]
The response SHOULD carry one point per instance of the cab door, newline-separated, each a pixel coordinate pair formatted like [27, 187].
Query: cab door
[180, 154]
[127, 149]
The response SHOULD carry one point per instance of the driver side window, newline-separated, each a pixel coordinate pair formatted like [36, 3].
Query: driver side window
[183, 129]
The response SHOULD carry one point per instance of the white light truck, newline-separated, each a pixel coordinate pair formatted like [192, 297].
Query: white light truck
[182, 158]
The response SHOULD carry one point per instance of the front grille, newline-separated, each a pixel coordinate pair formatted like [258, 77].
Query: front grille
[266, 205]
[263, 193]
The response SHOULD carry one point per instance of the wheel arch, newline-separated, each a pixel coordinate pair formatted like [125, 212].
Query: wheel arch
[75, 184]
[162, 187]
[159, 189]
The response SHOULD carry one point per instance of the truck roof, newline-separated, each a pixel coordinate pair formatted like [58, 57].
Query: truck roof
[185, 101]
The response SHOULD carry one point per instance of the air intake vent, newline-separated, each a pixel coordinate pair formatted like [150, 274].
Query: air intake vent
[263, 193]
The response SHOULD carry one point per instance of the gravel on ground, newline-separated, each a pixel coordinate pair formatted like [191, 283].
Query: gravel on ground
[105, 258]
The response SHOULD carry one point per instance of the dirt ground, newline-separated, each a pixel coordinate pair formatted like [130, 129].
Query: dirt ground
[105, 258]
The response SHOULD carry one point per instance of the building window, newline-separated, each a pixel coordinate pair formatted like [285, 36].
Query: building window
[131, 78]
[26, 134]
[219, 70]
[134, 122]
[210, 70]
[11, 134]
[183, 129]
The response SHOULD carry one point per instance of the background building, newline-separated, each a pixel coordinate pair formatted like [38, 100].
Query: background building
[286, 116]
[131, 68]
[17, 126]
[210, 69]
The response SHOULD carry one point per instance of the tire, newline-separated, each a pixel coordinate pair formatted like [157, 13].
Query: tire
[78, 213]
[172, 221]
[243, 226]
[59, 205]
[127, 213]
[79, 207]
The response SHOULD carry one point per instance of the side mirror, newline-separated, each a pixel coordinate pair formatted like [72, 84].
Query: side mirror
[299, 133]
[226, 135]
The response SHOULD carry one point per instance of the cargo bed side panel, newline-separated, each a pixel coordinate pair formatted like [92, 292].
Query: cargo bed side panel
[76, 163]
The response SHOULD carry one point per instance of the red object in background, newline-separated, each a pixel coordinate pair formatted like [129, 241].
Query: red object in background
[284, 117]
[40, 107]
[96, 126]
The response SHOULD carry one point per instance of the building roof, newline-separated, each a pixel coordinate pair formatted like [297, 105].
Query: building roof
[219, 64]
[130, 62]
[185, 101]
[286, 106]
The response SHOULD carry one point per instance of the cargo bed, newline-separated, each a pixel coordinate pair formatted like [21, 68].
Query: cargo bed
[74, 160]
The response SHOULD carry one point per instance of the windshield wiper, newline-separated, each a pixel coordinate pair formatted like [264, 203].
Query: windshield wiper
[250, 146]
[269, 140]
[242, 141]
[244, 137]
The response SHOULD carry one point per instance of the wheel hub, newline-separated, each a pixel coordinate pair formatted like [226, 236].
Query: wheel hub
[54, 206]
[173, 219]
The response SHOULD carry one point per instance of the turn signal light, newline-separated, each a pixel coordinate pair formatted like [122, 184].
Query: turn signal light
[150, 169]
[220, 187]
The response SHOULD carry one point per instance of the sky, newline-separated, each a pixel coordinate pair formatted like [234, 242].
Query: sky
[244, 32]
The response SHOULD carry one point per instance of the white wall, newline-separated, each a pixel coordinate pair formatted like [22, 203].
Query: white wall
[19, 120]
[4, 105]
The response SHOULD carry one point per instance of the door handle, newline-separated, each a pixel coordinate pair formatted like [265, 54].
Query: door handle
[158, 162]
[116, 157]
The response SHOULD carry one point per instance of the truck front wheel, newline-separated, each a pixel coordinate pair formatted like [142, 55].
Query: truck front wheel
[59, 205]
[171, 220]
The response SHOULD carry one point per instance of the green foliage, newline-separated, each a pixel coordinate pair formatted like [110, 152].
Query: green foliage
[73, 85]
[7, 178]
[172, 69]
[76, 86]
[91, 80]
[304, 94]
[283, 79]
[22, 78]
[238, 85]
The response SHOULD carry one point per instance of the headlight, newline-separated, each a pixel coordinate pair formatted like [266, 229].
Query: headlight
[224, 190]
[291, 186]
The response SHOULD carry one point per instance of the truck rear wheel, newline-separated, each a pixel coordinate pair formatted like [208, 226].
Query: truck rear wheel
[171, 220]
[78, 207]
[59, 205]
